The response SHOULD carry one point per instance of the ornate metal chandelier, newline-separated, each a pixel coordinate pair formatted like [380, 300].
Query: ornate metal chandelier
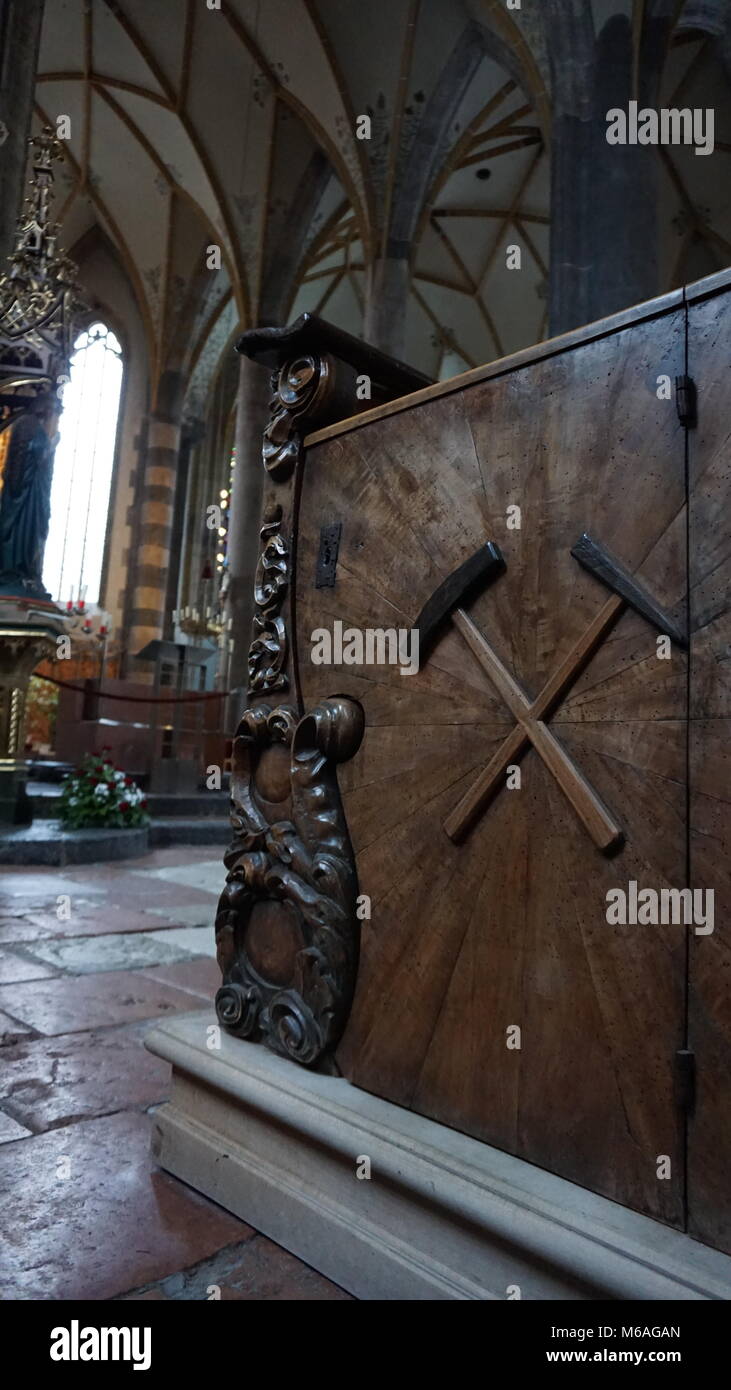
[38, 297]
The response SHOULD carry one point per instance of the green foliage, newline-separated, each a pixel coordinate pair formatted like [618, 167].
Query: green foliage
[98, 794]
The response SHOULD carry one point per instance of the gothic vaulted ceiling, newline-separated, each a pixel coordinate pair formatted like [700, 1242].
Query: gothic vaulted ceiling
[194, 125]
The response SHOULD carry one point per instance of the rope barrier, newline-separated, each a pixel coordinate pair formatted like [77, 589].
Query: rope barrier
[139, 699]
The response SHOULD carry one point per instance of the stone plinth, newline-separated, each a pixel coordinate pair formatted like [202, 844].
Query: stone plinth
[440, 1217]
[47, 842]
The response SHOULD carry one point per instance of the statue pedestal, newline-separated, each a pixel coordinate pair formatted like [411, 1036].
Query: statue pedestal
[432, 1214]
[28, 631]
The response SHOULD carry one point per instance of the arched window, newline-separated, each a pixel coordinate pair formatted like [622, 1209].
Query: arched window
[82, 472]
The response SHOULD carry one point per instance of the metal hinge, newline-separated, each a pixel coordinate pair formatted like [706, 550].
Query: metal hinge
[685, 1079]
[686, 400]
[327, 555]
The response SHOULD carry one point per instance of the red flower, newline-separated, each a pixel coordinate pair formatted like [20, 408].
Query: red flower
[143, 804]
[124, 806]
[128, 782]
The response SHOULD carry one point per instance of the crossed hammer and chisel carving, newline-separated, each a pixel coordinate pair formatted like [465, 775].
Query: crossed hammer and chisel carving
[531, 729]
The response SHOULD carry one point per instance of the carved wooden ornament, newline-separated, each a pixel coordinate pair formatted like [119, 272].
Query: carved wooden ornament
[286, 929]
[287, 934]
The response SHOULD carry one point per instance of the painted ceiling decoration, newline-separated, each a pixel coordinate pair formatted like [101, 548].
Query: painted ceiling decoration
[236, 128]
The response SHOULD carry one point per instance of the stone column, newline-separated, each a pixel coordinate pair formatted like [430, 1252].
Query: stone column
[192, 433]
[387, 300]
[20, 32]
[252, 414]
[603, 197]
[157, 504]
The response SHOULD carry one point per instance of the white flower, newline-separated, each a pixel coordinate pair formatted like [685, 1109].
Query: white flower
[119, 776]
[101, 789]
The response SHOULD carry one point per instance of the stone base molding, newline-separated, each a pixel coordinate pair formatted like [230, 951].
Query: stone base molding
[393, 1206]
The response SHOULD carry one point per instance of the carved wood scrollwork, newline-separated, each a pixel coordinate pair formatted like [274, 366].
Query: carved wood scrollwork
[298, 390]
[268, 650]
[287, 934]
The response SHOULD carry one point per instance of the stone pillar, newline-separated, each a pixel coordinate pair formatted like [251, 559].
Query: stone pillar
[387, 300]
[193, 432]
[157, 504]
[20, 32]
[252, 414]
[603, 197]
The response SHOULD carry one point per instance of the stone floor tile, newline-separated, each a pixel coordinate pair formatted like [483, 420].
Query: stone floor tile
[87, 955]
[267, 1272]
[12, 1029]
[89, 919]
[150, 1296]
[12, 908]
[78, 1004]
[42, 886]
[111, 885]
[10, 1130]
[52, 1081]
[22, 929]
[113, 1224]
[197, 941]
[15, 966]
[206, 876]
[202, 977]
[191, 916]
[170, 900]
[94, 919]
[172, 855]
[254, 1269]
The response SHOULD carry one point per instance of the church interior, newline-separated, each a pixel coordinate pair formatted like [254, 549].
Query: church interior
[364, 650]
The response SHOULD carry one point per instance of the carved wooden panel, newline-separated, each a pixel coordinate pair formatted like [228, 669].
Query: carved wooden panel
[709, 1139]
[505, 927]
[287, 927]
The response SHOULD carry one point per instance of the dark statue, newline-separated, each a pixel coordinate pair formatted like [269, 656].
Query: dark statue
[25, 506]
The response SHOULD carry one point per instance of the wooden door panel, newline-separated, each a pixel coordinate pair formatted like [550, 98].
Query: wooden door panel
[508, 928]
[709, 1140]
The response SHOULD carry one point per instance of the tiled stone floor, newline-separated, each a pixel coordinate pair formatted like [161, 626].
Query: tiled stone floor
[89, 959]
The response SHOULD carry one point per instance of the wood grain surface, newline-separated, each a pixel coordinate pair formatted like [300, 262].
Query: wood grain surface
[508, 927]
[709, 1140]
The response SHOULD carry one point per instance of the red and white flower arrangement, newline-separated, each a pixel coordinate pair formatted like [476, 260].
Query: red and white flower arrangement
[98, 794]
